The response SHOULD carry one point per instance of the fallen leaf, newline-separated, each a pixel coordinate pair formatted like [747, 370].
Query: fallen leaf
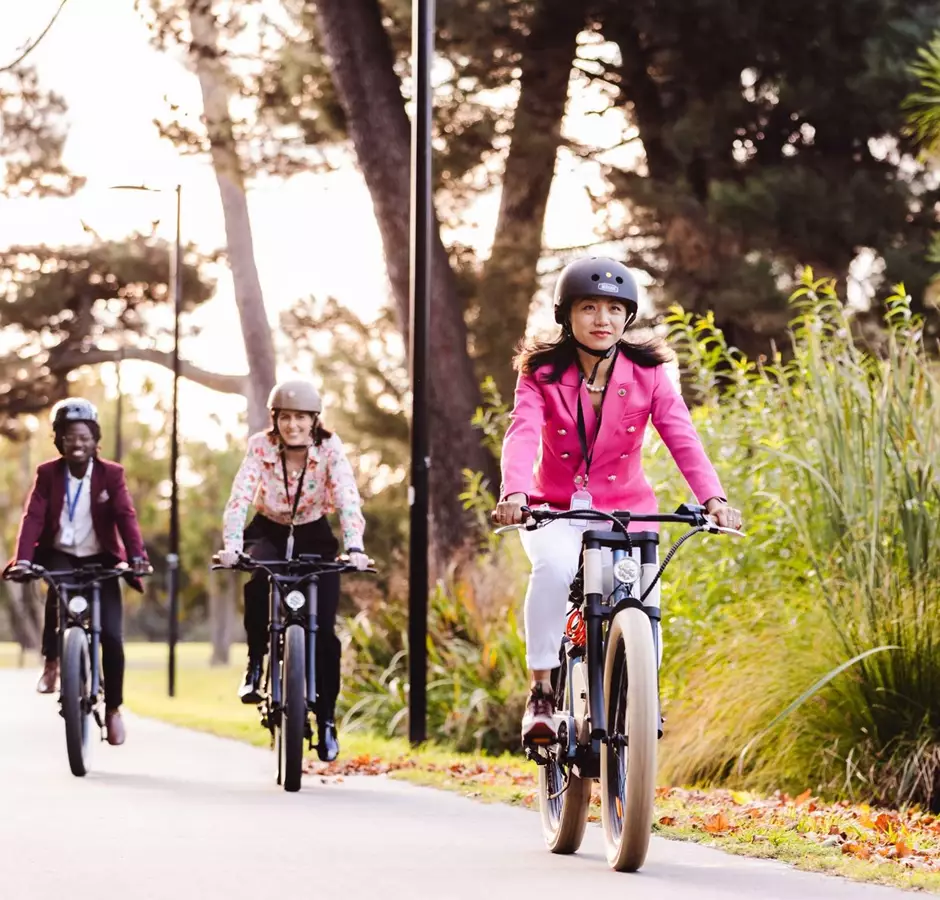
[806, 795]
[667, 820]
[717, 824]
[902, 849]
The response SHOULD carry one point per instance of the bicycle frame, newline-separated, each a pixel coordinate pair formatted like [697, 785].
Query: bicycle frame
[67, 584]
[280, 617]
[599, 609]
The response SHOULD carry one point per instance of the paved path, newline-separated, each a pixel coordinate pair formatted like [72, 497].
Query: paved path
[175, 815]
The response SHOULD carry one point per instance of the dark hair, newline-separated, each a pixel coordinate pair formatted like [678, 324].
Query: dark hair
[59, 432]
[319, 433]
[561, 354]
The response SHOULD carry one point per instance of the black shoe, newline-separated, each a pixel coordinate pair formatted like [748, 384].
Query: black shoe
[328, 748]
[249, 692]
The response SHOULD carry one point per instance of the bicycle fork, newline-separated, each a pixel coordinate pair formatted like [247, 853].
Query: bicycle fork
[598, 610]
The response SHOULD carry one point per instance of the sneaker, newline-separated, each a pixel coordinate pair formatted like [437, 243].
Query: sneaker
[248, 691]
[538, 724]
[328, 745]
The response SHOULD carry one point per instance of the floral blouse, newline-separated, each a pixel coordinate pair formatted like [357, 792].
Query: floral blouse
[330, 486]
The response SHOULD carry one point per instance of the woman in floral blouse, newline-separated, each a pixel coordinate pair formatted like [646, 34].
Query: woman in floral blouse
[294, 475]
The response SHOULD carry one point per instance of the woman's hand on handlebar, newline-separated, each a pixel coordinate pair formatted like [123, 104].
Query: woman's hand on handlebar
[358, 560]
[509, 510]
[228, 558]
[725, 516]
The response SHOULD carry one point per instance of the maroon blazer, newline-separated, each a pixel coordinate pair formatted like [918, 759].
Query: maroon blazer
[112, 511]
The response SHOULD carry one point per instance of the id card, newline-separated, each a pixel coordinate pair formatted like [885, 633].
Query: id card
[580, 499]
[289, 550]
[67, 538]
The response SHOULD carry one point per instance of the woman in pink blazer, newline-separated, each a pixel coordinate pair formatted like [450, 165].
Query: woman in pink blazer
[581, 409]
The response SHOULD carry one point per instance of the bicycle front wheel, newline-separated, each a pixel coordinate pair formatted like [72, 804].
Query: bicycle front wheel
[294, 714]
[76, 702]
[628, 758]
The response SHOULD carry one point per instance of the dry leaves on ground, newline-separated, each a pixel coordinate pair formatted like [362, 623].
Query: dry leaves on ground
[910, 838]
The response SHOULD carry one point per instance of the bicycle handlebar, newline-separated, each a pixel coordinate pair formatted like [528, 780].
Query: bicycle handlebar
[81, 574]
[312, 562]
[694, 517]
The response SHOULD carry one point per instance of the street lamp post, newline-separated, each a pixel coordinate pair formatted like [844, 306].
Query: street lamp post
[173, 557]
[422, 51]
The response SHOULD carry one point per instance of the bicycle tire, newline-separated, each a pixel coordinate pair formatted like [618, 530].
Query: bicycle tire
[628, 769]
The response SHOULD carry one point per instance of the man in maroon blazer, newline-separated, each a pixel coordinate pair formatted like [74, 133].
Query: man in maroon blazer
[79, 511]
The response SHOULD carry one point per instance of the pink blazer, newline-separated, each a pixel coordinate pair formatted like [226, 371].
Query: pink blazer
[542, 454]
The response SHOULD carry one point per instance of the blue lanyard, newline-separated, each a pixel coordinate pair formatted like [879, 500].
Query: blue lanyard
[71, 504]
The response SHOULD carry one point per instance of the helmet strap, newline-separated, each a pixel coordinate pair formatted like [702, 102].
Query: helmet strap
[600, 355]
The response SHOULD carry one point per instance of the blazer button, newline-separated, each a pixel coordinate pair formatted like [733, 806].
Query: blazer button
[621, 393]
[578, 479]
[631, 429]
[562, 431]
[611, 477]
[565, 455]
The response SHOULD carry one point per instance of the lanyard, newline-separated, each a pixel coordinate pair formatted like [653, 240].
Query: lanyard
[588, 453]
[289, 551]
[70, 503]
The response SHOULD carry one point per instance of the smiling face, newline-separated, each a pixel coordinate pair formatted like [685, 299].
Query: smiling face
[295, 428]
[78, 443]
[598, 323]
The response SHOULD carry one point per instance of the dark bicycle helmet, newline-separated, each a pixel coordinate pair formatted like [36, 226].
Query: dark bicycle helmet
[597, 276]
[73, 409]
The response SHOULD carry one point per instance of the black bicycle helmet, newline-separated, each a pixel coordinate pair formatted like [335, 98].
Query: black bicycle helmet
[73, 409]
[597, 276]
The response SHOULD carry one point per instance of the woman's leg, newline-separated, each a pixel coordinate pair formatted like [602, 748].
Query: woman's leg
[554, 552]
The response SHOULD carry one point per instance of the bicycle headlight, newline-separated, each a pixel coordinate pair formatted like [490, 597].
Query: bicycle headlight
[77, 605]
[627, 570]
[295, 600]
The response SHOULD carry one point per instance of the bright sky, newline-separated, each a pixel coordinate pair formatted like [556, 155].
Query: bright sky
[307, 232]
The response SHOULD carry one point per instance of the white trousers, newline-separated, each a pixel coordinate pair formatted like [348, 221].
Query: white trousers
[554, 550]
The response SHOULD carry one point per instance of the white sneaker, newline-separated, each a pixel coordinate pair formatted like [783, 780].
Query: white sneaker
[538, 724]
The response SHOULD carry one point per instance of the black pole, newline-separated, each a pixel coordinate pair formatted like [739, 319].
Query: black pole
[422, 52]
[119, 412]
[173, 557]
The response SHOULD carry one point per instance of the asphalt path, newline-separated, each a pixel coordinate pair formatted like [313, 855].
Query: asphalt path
[175, 815]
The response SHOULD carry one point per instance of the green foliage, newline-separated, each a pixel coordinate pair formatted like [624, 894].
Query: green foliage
[923, 105]
[840, 569]
[748, 118]
[32, 137]
[65, 307]
[476, 659]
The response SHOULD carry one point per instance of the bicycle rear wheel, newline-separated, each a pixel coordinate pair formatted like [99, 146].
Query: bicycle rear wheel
[564, 797]
[628, 757]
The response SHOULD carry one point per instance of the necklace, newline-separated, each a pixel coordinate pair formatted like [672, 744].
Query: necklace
[595, 388]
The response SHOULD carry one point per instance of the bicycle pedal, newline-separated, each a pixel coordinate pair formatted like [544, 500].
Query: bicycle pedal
[533, 755]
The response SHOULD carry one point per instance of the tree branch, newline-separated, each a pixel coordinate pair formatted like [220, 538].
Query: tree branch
[30, 47]
[225, 384]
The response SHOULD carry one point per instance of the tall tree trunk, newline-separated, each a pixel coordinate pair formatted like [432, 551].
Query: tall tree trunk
[26, 609]
[223, 594]
[216, 91]
[362, 66]
[509, 278]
